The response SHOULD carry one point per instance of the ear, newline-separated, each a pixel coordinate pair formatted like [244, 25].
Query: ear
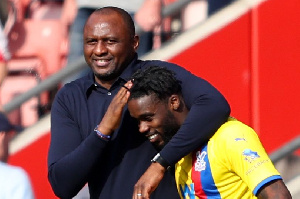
[174, 102]
[136, 42]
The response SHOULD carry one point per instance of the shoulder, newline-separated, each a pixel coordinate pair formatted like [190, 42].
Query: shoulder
[14, 171]
[233, 132]
[16, 182]
[76, 87]
[161, 63]
[15, 174]
[180, 71]
[233, 128]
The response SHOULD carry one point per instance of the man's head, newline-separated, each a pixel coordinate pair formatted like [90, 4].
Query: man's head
[110, 43]
[156, 102]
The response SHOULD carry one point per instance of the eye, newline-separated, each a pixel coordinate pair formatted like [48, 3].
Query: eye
[147, 119]
[111, 41]
[91, 42]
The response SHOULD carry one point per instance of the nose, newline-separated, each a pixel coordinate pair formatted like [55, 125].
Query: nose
[100, 48]
[143, 127]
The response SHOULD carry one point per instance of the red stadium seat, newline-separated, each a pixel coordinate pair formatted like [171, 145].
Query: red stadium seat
[38, 42]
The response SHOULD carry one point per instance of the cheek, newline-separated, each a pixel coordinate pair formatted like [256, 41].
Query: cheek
[121, 49]
[158, 124]
[87, 50]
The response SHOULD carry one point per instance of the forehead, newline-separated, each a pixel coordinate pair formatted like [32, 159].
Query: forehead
[99, 23]
[144, 105]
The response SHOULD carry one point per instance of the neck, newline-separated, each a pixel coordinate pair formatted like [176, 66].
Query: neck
[181, 114]
[105, 84]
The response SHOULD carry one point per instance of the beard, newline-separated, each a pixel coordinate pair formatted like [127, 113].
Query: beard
[170, 128]
[111, 75]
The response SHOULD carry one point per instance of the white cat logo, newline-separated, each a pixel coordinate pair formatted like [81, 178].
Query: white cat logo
[200, 163]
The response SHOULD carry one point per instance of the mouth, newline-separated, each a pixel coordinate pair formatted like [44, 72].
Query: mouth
[102, 62]
[153, 137]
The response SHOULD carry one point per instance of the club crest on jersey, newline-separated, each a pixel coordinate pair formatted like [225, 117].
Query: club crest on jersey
[250, 155]
[200, 163]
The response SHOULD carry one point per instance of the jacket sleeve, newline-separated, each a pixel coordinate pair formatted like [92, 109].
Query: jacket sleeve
[69, 154]
[208, 111]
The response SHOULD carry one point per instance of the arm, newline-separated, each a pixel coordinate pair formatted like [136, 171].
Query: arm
[248, 160]
[208, 111]
[275, 190]
[71, 159]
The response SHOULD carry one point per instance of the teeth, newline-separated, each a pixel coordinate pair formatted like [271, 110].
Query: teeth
[152, 136]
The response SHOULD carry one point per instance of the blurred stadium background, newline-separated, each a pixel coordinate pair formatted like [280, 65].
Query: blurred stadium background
[249, 50]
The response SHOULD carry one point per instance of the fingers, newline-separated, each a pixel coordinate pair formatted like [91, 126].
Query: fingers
[124, 92]
[125, 87]
[113, 115]
[149, 181]
[140, 192]
[128, 84]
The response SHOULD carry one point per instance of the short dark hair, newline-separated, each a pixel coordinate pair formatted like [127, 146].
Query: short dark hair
[125, 15]
[154, 80]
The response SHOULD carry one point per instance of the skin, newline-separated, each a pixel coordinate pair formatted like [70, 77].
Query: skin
[108, 46]
[113, 115]
[157, 120]
[3, 73]
[5, 138]
[274, 190]
[155, 117]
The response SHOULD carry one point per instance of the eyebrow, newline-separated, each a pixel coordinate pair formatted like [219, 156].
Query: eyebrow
[144, 115]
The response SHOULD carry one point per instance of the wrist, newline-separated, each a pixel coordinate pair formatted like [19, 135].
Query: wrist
[103, 129]
[159, 160]
[158, 168]
[101, 135]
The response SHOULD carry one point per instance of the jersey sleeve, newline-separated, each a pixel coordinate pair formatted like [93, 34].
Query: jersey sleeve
[246, 155]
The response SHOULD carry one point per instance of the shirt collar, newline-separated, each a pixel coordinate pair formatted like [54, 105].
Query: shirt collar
[89, 80]
[132, 67]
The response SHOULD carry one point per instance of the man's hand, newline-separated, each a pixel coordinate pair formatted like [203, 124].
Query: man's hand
[149, 181]
[113, 115]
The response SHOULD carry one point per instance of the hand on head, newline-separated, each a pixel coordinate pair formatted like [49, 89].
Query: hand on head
[113, 115]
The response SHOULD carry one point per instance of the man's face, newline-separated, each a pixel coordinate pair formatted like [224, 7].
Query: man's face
[108, 45]
[156, 120]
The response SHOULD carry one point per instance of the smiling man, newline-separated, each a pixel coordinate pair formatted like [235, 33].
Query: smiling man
[86, 149]
[233, 163]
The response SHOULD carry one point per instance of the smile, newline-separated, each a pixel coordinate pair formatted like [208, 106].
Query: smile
[102, 62]
[152, 136]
